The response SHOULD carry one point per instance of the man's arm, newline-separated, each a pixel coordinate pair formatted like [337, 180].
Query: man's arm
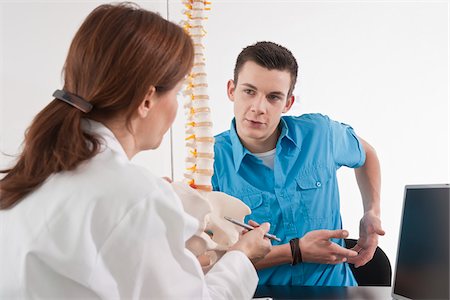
[315, 246]
[368, 178]
[279, 255]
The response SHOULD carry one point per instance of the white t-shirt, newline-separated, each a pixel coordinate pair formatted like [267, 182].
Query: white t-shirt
[110, 230]
[267, 157]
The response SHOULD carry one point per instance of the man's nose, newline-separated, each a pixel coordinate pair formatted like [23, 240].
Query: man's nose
[259, 104]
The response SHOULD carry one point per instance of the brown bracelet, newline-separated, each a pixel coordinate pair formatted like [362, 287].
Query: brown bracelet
[295, 251]
[299, 258]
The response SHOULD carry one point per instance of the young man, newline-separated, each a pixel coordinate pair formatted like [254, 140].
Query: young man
[284, 169]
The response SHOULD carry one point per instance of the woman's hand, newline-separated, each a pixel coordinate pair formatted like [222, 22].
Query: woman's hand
[204, 260]
[253, 243]
[167, 179]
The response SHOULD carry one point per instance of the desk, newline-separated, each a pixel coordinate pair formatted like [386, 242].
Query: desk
[323, 292]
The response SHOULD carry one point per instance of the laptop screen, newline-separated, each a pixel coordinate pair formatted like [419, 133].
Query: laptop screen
[422, 269]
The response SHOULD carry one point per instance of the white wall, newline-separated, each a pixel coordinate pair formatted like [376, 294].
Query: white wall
[381, 66]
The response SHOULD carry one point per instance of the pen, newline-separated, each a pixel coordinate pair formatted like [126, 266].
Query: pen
[249, 227]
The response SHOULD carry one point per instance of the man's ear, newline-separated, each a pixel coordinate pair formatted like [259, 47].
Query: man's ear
[289, 102]
[148, 102]
[230, 90]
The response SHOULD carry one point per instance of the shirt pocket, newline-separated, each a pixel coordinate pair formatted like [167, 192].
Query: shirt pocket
[316, 189]
[259, 206]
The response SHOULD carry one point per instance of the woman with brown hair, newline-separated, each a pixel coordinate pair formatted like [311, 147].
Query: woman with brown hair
[77, 219]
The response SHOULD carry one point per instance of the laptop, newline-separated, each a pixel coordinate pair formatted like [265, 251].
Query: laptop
[422, 268]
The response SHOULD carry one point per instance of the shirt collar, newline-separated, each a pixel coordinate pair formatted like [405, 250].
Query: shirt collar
[286, 134]
[108, 139]
[239, 151]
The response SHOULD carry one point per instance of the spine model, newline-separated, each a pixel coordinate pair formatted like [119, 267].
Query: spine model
[215, 234]
[199, 136]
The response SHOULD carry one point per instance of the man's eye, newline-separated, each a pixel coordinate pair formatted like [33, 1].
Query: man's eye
[273, 97]
[249, 91]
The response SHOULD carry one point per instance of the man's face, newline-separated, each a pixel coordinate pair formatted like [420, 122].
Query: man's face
[260, 97]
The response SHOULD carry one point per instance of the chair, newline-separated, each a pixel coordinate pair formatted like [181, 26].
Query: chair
[377, 272]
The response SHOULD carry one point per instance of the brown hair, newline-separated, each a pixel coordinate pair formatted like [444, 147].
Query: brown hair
[271, 56]
[118, 53]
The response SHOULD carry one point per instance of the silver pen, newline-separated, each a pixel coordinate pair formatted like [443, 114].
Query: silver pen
[249, 227]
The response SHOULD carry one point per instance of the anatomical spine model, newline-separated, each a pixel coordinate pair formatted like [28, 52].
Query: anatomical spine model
[199, 136]
[215, 234]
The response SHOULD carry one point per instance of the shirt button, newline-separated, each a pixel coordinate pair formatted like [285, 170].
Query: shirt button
[318, 184]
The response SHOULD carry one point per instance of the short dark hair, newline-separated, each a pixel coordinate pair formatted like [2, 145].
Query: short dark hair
[271, 56]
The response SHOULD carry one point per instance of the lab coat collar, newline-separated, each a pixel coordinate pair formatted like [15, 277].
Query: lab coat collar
[110, 140]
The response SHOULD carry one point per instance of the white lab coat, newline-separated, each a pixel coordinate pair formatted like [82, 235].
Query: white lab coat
[109, 230]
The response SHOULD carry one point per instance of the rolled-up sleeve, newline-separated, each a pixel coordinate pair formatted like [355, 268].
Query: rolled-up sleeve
[347, 149]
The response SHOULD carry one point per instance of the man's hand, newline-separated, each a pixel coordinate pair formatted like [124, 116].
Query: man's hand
[316, 247]
[369, 230]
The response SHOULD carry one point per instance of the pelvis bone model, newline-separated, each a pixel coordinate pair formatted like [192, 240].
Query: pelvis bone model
[215, 234]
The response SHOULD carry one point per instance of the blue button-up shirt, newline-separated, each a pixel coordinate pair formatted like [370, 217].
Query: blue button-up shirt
[299, 195]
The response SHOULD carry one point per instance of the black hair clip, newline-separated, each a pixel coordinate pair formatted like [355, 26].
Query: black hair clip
[74, 100]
